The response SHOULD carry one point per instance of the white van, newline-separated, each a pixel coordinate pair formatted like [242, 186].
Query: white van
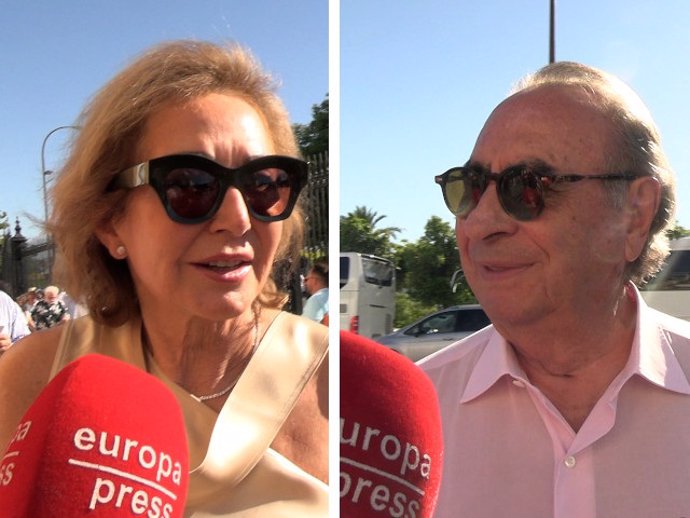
[367, 294]
[669, 291]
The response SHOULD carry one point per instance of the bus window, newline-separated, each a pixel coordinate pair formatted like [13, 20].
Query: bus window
[377, 272]
[675, 274]
[344, 270]
[669, 290]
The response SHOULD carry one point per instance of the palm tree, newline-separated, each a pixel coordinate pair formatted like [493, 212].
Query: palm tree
[358, 233]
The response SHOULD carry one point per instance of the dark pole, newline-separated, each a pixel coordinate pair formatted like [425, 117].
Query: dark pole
[44, 175]
[18, 243]
[552, 31]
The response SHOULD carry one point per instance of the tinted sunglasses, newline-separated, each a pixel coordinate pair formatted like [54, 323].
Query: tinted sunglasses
[192, 187]
[520, 190]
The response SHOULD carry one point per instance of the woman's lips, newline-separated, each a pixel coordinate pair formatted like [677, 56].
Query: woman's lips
[226, 270]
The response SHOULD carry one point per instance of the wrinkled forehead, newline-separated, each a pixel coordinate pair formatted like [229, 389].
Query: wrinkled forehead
[561, 125]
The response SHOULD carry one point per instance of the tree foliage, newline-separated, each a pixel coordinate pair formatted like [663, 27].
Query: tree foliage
[313, 137]
[678, 231]
[407, 309]
[424, 268]
[358, 233]
[427, 266]
[3, 222]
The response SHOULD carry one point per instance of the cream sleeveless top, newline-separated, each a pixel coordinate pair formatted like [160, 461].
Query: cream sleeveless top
[234, 473]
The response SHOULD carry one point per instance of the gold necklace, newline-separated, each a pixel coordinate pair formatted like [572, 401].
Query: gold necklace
[232, 385]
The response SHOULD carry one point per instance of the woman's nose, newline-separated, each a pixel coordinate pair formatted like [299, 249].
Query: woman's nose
[233, 214]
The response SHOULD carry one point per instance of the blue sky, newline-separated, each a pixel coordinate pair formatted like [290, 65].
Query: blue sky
[55, 55]
[419, 78]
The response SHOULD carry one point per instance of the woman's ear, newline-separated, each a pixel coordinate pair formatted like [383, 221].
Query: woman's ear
[642, 205]
[109, 238]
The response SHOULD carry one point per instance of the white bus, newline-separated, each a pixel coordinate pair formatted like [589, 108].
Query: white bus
[669, 291]
[367, 294]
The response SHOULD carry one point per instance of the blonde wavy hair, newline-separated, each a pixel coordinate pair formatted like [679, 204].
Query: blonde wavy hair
[110, 127]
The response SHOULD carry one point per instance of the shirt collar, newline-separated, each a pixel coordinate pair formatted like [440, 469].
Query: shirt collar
[496, 360]
[651, 357]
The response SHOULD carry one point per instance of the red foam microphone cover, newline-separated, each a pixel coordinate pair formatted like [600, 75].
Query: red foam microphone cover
[103, 439]
[391, 442]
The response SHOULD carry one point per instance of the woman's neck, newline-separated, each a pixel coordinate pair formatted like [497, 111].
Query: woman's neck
[202, 356]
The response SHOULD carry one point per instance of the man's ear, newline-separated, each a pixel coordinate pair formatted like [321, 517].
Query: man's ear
[642, 205]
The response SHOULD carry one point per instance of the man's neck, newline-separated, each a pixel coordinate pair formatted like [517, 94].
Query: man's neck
[574, 364]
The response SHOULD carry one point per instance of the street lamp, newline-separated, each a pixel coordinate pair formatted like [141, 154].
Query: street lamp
[552, 31]
[44, 172]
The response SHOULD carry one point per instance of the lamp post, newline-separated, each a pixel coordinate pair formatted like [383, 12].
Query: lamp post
[45, 172]
[552, 31]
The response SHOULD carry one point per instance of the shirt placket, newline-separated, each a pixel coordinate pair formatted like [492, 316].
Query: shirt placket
[574, 483]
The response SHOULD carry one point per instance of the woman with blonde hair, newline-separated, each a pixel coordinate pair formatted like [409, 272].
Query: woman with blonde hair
[178, 197]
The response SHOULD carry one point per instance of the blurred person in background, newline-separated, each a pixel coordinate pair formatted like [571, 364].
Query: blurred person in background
[49, 311]
[316, 285]
[74, 308]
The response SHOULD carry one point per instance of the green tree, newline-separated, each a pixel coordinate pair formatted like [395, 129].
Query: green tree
[3, 222]
[313, 137]
[427, 266]
[358, 233]
[678, 231]
[407, 309]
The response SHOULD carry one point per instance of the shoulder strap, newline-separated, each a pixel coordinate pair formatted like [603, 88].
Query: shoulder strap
[288, 356]
[82, 336]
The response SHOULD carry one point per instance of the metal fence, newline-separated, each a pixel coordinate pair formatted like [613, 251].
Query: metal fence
[316, 208]
[24, 264]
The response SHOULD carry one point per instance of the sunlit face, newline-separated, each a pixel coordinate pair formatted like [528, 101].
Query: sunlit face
[310, 283]
[570, 258]
[215, 269]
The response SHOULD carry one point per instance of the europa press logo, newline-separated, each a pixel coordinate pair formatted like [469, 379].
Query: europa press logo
[391, 439]
[101, 473]
[382, 473]
[81, 450]
[127, 474]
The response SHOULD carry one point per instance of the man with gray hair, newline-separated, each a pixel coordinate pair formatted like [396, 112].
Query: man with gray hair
[575, 402]
[50, 310]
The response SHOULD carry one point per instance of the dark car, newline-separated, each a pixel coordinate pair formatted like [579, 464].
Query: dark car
[436, 331]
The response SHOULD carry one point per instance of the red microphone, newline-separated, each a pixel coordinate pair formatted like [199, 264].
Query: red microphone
[390, 433]
[103, 439]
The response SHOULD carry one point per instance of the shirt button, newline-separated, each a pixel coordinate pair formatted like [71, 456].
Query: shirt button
[570, 461]
[518, 384]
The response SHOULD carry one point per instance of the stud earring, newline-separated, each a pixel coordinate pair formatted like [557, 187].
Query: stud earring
[121, 252]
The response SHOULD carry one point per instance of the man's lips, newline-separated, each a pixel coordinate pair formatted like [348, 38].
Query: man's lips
[496, 271]
[492, 267]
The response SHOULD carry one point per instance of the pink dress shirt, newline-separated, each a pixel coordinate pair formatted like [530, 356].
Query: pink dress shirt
[509, 452]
